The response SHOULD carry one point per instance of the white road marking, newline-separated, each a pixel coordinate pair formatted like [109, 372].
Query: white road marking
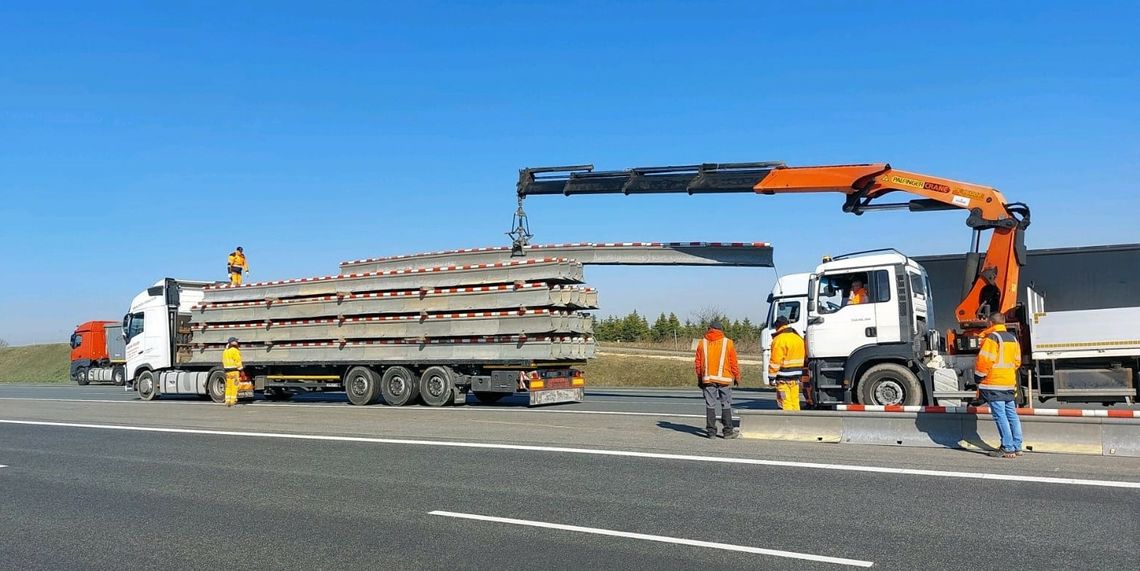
[3, 466]
[659, 538]
[346, 406]
[604, 452]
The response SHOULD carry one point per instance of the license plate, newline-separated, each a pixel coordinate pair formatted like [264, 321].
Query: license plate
[554, 396]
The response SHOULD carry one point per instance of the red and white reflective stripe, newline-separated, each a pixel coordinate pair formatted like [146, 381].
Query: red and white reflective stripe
[513, 263]
[1073, 412]
[552, 246]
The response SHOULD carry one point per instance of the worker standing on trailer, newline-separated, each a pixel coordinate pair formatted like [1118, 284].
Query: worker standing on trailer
[996, 372]
[231, 362]
[786, 365]
[717, 371]
[236, 264]
[858, 293]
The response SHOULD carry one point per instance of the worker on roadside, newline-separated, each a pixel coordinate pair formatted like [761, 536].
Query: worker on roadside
[786, 364]
[717, 372]
[858, 293]
[236, 264]
[231, 362]
[996, 372]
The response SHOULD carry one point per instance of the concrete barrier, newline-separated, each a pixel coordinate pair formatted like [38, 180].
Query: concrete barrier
[1055, 434]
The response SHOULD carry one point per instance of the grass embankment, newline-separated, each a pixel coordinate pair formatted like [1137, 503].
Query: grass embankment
[49, 364]
[623, 371]
[35, 364]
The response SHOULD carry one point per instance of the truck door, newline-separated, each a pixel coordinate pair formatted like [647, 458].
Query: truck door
[836, 327]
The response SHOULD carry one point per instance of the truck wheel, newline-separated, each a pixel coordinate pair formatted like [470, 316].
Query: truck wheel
[146, 385]
[360, 386]
[81, 376]
[890, 384]
[118, 376]
[489, 398]
[216, 386]
[436, 387]
[398, 386]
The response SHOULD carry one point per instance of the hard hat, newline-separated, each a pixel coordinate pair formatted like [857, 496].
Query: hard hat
[716, 324]
[232, 340]
[239, 249]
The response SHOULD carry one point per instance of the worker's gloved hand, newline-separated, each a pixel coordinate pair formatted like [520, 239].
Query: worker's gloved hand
[771, 381]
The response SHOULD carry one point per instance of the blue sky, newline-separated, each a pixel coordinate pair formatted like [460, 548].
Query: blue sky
[140, 140]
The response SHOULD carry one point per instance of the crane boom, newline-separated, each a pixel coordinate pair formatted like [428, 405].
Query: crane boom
[990, 284]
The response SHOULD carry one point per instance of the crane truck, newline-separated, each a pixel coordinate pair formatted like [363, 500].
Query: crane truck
[887, 351]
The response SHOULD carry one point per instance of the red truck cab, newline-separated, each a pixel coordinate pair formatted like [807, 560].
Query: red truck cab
[97, 352]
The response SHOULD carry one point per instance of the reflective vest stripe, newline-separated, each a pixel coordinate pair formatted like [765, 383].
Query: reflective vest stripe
[719, 376]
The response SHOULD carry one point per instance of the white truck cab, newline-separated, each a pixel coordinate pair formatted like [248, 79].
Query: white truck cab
[151, 326]
[879, 350]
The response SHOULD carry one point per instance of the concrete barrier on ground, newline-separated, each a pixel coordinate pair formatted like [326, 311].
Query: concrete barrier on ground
[1097, 435]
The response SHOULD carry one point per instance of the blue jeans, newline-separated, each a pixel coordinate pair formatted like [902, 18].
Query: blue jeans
[1004, 410]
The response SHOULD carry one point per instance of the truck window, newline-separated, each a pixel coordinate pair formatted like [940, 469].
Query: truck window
[789, 309]
[917, 284]
[134, 325]
[76, 340]
[881, 290]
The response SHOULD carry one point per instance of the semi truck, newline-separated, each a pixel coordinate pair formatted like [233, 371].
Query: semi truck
[431, 335]
[98, 353]
[889, 351]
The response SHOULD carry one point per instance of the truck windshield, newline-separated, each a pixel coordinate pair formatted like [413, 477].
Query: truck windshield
[778, 309]
[76, 340]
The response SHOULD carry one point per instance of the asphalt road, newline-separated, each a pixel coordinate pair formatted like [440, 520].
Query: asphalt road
[190, 484]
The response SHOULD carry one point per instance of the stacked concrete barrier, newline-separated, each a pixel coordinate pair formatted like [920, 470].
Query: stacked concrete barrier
[1106, 432]
[519, 311]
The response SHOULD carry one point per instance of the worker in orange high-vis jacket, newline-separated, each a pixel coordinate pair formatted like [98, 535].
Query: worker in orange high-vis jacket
[717, 371]
[995, 369]
[858, 293]
[236, 264]
[786, 364]
[231, 362]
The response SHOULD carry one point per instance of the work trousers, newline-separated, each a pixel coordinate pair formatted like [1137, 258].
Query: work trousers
[235, 278]
[788, 395]
[717, 395]
[1004, 411]
[233, 379]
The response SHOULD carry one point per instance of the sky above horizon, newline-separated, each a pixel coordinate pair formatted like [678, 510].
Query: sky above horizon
[140, 140]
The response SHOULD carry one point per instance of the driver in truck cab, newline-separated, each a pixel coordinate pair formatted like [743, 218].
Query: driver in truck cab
[858, 293]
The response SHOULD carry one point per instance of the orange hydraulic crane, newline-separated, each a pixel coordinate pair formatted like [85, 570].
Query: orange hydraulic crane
[991, 282]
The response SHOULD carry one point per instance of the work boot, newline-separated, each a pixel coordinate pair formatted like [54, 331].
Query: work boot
[710, 423]
[729, 431]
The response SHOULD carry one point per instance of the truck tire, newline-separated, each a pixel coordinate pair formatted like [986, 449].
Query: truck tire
[489, 398]
[216, 386]
[81, 376]
[118, 376]
[398, 386]
[436, 386]
[889, 384]
[146, 385]
[360, 386]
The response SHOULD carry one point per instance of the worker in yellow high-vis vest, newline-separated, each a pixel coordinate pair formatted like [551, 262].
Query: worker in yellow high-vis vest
[717, 371]
[231, 362]
[236, 264]
[786, 364]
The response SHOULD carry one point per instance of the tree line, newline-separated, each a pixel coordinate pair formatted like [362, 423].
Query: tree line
[636, 328]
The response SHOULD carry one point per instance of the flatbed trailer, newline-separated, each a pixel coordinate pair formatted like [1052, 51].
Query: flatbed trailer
[373, 337]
